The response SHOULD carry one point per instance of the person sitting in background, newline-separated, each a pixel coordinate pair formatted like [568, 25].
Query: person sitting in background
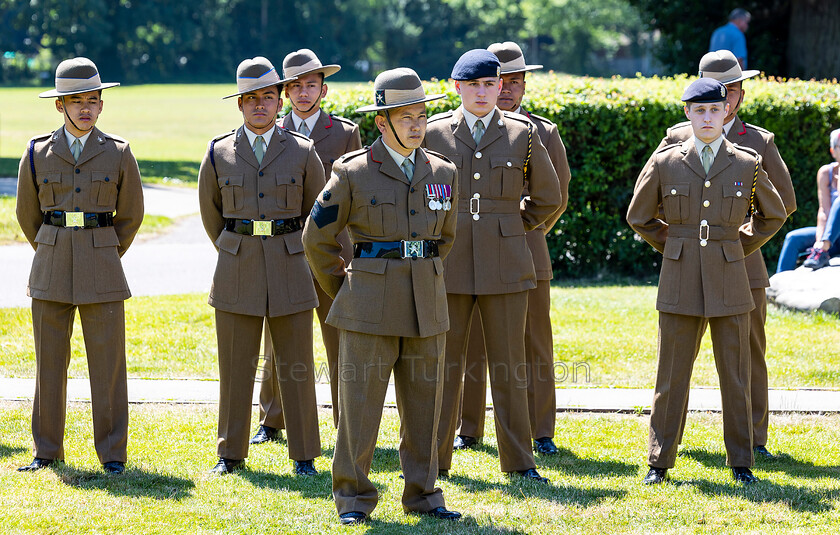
[823, 237]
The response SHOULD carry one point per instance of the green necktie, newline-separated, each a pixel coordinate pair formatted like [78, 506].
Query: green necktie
[76, 149]
[478, 131]
[706, 157]
[259, 148]
[408, 168]
[303, 129]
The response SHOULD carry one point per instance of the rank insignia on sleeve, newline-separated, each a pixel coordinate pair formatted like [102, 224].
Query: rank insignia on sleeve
[323, 216]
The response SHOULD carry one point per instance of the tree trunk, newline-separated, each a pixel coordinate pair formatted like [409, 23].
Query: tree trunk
[814, 41]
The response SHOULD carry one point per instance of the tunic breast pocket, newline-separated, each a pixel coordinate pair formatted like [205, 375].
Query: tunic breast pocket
[46, 189]
[104, 190]
[289, 192]
[736, 203]
[381, 209]
[434, 220]
[675, 202]
[512, 176]
[233, 196]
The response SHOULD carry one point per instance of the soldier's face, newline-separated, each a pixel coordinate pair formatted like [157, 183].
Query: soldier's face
[734, 97]
[479, 96]
[513, 89]
[409, 124]
[305, 92]
[706, 119]
[83, 111]
[259, 108]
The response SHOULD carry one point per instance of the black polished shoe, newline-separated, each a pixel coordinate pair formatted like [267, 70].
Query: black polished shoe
[761, 452]
[443, 513]
[532, 473]
[226, 466]
[114, 467]
[36, 464]
[545, 446]
[443, 474]
[743, 475]
[655, 476]
[305, 468]
[463, 442]
[267, 434]
[353, 517]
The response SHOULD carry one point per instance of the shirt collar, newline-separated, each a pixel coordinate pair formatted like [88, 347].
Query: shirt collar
[310, 121]
[252, 137]
[471, 119]
[71, 138]
[714, 144]
[728, 126]
[398, 158]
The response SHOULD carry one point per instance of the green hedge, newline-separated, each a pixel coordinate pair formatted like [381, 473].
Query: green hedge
[610, 127]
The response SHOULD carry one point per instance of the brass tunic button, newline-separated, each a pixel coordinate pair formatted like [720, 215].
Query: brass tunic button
[708, 184]
[673, 192]
[478, 155]
[477, 176]
[706, 203]
[703, 243]
[509, 164]
[738, 194]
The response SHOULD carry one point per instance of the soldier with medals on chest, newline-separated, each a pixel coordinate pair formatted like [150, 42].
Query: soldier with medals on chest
[390, 300]
[690, 203]
[333, 137]
[255, 184]
[491, 268]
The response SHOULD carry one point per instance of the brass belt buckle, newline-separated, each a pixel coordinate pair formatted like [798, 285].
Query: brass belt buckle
[703, 239]
[411, 249]
[261, 228]
[475, 211]
[74, 219]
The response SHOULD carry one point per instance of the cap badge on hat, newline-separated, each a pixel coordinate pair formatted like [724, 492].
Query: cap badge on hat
[380, 97]
[723, 91]
[396, 88]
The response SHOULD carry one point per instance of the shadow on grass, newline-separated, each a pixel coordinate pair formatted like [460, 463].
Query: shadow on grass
[797, 498]
[782, 463]
[131, 483]
[527, 490]
[567, 461]
[427, 524]
[9, 451]
[318, 486]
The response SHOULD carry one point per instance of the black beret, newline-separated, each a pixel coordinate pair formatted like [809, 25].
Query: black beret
[705, 90]
[476, 63]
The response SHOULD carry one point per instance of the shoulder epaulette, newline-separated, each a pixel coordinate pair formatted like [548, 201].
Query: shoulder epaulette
[222, 136]
[116, 138]
[540, 118]
[439, 155]
[42, 137]
[296, 134]
[344, 120]
[439, 116]
[746, 149]
[757, 128]
[516, 117]
[668, 147]
[353, 154]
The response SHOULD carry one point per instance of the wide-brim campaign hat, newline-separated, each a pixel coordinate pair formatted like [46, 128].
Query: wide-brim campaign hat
[396, 88]
[511, 57]
[75, 76]
[256, 73]
[723, 66]
[304, 61]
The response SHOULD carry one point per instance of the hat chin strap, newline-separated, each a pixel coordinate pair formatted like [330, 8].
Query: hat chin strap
[388, 117]
[67, 115]
[312, 107]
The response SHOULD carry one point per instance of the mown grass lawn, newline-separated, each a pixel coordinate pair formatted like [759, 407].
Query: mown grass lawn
[595, 482]
[603, 336]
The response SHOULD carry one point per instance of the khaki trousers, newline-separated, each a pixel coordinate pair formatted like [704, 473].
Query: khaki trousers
[271, 410]
[239, 345]
[730, 340]
[365, 363]
[103, 326]
[539, 352]
[503, 321]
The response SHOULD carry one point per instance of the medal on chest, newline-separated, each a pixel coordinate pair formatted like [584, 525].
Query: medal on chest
[440, 196]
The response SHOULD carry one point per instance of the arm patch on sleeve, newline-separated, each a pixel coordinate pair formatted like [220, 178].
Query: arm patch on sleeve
[323, 216]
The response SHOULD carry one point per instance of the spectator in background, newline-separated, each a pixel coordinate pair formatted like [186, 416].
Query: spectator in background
[731, 37]
[823, 237]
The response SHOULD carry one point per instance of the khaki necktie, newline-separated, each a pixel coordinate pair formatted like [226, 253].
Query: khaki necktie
[478, 131]
[76, 149]
[408, 168]
[706, 158]
[259, 148]
[303, 129]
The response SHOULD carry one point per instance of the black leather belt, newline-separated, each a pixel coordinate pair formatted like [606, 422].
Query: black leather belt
[396, 249]
[272, 227]
[79, 219]
[704, 231]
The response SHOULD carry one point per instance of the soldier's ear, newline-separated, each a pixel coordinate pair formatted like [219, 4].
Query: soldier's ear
[324, 89]
[687, 110]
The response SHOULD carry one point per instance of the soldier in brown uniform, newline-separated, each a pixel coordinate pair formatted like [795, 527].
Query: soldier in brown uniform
[690, 204]
[398, 203]
[539, 347]
[490, 267]
[333, 137]
[253, 185]
[79, 203]
[723, 67]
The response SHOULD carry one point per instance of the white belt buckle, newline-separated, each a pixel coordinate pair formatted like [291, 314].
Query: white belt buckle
[74, 219]
[261, 228]
[411, 249]
[703, 239]
[475, 211]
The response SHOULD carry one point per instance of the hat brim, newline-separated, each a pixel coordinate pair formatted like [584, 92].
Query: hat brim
[328, 70]
[57, 93]
[257, 88]
[744, 76]
[374, 107]
[524, 69]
